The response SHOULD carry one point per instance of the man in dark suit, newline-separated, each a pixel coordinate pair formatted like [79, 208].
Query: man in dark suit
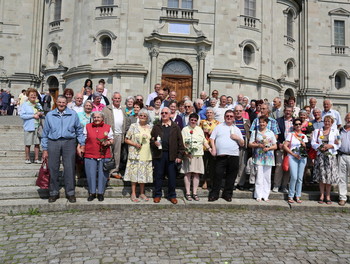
[285, 124]
[277, 108]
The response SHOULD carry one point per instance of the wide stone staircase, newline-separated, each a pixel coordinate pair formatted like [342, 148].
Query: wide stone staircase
[19, 194]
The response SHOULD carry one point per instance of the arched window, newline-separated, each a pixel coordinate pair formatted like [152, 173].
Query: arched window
[248, 54]
[106, 45]
[290, 21]
[250, 8]
[339, 80]
[52, 82]
[54, 52]
[177, 67]
[290, 69]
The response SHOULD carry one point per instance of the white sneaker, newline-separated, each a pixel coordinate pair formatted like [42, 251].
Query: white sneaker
[275, 189]
[38, 161]
[27, 162]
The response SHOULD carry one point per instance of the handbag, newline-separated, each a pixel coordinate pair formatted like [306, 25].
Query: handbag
[285, 163]
[43, 179]
[109, 165]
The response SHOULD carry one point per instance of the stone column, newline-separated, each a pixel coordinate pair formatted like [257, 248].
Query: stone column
[154, 52]
[201, 57]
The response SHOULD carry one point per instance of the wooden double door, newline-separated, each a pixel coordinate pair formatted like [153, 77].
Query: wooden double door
[182, 84]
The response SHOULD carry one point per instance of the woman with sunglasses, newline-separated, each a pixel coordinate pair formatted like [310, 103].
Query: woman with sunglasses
[139, 164]
[295, 146]
[192, 166]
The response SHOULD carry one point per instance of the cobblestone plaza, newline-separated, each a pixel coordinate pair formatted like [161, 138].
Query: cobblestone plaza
[175, 236]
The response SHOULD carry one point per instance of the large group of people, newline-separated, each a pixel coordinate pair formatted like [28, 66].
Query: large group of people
[252, 144]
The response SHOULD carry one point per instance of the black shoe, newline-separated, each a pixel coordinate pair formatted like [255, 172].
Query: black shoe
[100, 197]
[212, 199]
[53, 199]
[241, 188]
[227, 199]
[91, 197]
[234, 188]
[72, 198]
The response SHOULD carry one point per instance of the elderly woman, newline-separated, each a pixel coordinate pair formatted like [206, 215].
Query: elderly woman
[129, 106]
[192, 166]
[295, 146]
[154, 115]
[137, 106]
[139, 164]
[263, 141]
[326, 141]
[69, 94]
[98, 141]
[85, 116]
[208, 126]
[96, 102]
[31, 112]
[174, 116]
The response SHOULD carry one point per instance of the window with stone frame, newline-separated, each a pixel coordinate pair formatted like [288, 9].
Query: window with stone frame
[290, 22]
[339, 32]
[106, 45]
[107, 2]
[339, 80]
[248, 54]
[58, 9]
[250, 8]
[290, 69]
[185, 4]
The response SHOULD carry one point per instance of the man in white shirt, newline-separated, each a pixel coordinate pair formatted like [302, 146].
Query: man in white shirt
[78, 103]
[225, 140]
[116, 117]
[221, 109]
[327, 106]
[153, 95]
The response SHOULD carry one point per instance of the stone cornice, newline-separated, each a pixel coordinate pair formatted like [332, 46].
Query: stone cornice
[158, 38]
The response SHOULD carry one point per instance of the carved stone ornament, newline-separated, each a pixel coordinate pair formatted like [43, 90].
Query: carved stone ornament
[154, 51]
[202, 54]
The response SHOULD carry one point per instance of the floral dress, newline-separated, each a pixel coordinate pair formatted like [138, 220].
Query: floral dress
[139, 165]
[259, 156]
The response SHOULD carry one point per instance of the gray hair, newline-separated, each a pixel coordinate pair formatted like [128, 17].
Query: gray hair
[213, 99]
[209, 109]
[88, 102]
[198, 100]
[188, 102]
[144, 111]
[130, 98]
[96, 94]
[98, 113]
[317, 109]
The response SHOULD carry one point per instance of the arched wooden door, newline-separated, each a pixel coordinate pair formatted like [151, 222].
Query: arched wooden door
[177, 75]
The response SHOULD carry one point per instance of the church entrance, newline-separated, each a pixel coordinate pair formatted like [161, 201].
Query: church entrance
[177, 75]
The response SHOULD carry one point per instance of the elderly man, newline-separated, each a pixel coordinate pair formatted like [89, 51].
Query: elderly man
[327, 105]
[285, 125]
[239, 100]
[277, 111]
[312, 103]
[61, 131]
[206, 100]
[100, 89]
[244, 125]
[116, 117]
[153, 95]
[201, 108]
[189, 109]
[78, 103]
[344, 161]
[272, 125]
[167, 151]
[221, 109]
[225, 141]
[317, 122]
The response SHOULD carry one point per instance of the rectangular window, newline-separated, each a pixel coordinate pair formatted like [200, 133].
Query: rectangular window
[250, 8]
[107, 2]
[186, 4]
[58, 5]
[339, 33]
[173, 3]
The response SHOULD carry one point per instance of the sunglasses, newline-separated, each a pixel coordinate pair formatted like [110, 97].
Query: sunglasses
[297, 124]
[164, 113]
[187, 106]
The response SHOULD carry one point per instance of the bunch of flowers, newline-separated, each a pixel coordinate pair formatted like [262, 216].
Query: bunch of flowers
[309, 129]
[320, 148]
[190, 149]
[101, 140]
[301, 150]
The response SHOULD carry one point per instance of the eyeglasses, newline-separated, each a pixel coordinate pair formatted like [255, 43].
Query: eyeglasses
[229, 116]
[139, 100]
[193, 120]
[297, 124]
[164, 113]
[142, 116]
[187, 106]
[215, 93]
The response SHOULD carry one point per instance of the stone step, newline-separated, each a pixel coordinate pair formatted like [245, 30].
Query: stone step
[20, 181]
[34, 206]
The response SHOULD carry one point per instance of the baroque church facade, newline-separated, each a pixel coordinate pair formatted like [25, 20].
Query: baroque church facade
[260, 48]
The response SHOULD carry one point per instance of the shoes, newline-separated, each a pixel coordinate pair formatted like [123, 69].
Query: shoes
[134, 199]
[144, 197]
[234, 187]
[275, 189]
[321, 201]
[195, 197]
[212, 199]
[188, 197]
[267, 200]
[156, 199]
[53, 199]
[173, 200]
[328, 202]
[71, 198]
[227, 199]
[298, 200]
[91, 197]
[284, 190]
[251, 189]
[290, 200]
[116, 176]
[241, 188]
[342, 202]
[38, 161]
[100, 197]
[27, 162]
[258, 200]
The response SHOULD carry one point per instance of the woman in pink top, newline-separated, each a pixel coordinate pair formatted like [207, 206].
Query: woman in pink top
[96, 102]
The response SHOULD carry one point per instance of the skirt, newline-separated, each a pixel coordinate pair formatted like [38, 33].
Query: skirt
[138, 171]
[326, 169]
[31, 138]
[194, 165]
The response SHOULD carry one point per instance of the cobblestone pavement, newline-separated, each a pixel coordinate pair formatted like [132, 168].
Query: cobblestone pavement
[175, 236]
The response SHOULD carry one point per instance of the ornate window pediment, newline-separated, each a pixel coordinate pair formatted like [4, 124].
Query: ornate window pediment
[339, 12]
